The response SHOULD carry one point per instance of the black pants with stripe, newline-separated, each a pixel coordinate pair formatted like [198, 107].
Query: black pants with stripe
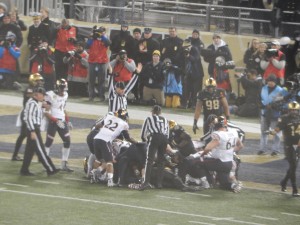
[36, 146]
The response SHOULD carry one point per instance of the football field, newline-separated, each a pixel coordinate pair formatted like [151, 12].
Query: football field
[69, 198]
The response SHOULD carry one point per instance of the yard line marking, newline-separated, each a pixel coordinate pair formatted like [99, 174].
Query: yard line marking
[228, 218]
[46, 182]
[70, 178]
[2, 189]
[162, 196]
[289, 214]
[263, 217]
[108, 203]
[17, 185]
[245, 222]
[189, 193]
[201, 223]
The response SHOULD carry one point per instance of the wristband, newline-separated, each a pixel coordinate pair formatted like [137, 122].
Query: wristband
[67, 118]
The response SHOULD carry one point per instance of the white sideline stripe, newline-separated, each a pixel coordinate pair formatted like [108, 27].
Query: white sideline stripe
[17, 185]
[2, 189]
[245, 222]
[225, 218]
[263, 217]
[46, 182]
[162, 196]
[289, 214]
[77, 179]
[201, 223]
[108, 203]
[189, 193]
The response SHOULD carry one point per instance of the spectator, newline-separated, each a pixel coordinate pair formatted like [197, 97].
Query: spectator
[257, 56]
[38, 33]
[65, 37]
[122, 41]
[252, 86]
[114, 13]
[137, 36]
[42, 62]
[77, 61]
[17, 21]
[248, 59]
[217, 48]
[3, 10]
[269, 115]
[274, 62]
[172, 84]
[147, 46]
[122, 67]
[171, 47]
[49, 23]
[97, 44]
[229, 12]
[7, 26]
[152, 80]
[92, 12]
[261, 15]
[9, 54]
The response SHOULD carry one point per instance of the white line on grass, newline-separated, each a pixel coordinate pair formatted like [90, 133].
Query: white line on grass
[162, 196]
[245, 222]
[225, 218]
[189, 193]
[289, 214]
[2, 189]
[263, 217]
[108, 203]
[17, 185]
[76, 179]
[46, 182]
[201, 223]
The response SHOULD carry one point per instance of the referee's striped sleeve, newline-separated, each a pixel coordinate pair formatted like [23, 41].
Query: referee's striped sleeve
[131, 84]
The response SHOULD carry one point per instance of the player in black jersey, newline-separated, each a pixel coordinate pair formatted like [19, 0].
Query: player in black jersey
[213, 101]
[290, 126]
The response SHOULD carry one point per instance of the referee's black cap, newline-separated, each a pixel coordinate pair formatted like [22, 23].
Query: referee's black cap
[120, 85]
[156, 109]
[39, 89]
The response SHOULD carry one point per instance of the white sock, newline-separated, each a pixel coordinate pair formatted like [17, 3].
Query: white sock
[65, 154]
[110, 176]
[47, 150]
[90, 163]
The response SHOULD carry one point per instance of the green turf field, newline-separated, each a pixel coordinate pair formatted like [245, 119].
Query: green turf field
[71, 199]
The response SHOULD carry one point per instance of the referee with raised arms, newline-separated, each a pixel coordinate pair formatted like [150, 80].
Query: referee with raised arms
[155, 131]
[33, 115]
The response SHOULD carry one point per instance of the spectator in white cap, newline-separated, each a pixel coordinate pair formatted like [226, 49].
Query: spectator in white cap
[274, 62]
[290, 50]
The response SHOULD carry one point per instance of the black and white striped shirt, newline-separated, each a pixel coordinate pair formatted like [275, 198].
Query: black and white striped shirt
[33, 114]
[117, 101]
[155, 125]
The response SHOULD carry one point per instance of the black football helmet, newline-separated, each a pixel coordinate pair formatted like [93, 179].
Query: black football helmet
[221, 121]
[122, 114]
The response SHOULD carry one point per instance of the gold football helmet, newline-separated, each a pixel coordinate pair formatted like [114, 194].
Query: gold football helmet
[35, 79]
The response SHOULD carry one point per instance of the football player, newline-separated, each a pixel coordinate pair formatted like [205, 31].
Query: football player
[112, 127]
[290, 126]
[213, 101]
[34, 80]
[59, 121]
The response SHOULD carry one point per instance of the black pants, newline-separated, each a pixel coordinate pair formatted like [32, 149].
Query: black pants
[90, 140]
[63, 133]
[36, 146]
[290, 154]
[157, 144]
[22, 136]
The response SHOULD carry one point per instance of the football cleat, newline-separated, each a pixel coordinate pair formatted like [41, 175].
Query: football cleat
[110, 183]
[237, 187]
[93, 177]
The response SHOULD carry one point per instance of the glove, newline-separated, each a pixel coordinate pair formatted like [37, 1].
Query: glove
[60, 124]
[77, 55]
[70, 125]
[195, 127]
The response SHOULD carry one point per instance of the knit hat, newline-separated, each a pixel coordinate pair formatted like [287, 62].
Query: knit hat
[156, 52]
[272, 77]
[196, 31]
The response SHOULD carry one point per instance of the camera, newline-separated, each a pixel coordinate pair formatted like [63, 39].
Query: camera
[123, 57]
[97, 32]
[72, 40]
[70, 53]
[186, 51]
[270, 53]
[6, 43]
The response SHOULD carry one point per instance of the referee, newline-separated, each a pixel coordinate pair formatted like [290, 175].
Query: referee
[33, 115]
[156, 131]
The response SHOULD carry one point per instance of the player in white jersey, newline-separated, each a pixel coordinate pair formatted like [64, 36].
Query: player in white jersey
[59, 121]
[113, 126]
[222, 147]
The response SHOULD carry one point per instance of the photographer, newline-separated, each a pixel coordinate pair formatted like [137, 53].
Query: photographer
[65, 38]
[172, 84]
[42, 62]
[252, 86]
[7, 26]
[122, 67]
[77, 62]
[9, 54]
[274, 62]
[98, 44]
